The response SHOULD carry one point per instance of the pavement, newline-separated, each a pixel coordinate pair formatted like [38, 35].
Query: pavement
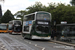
[64, 43]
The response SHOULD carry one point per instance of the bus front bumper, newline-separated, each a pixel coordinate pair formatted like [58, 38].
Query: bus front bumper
[16, 32]
[37, 37]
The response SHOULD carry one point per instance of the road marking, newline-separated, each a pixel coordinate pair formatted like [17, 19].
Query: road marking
[3, 46]
[5, 49]
[43, 48]
[64, 47]
[35, 44]
[1, 43]
[16, 44]
[29, 42]
[68, 47]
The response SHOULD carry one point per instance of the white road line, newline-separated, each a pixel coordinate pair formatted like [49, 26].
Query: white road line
[1, 43]
[3, 46]
[43, 48]
[29, 42]
[35, 44]
[5, 49]
[20, 44]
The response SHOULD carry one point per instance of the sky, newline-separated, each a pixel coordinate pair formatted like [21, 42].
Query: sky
[17, 5]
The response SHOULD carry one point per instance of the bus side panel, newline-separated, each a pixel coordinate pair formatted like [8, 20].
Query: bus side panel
[3, 31]
[27, 27]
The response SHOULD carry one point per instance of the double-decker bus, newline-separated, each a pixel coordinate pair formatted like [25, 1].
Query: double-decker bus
[37, 25]
[15, 27]
[3, 28]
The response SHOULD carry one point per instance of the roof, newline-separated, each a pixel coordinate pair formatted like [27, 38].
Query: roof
[65, 24]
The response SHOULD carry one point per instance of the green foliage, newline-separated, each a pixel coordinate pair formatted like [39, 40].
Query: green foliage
[20, 14]
[36, 7]
[7, 17]
[60, 12]
[63, 13]
[72, 2]
[50, 7]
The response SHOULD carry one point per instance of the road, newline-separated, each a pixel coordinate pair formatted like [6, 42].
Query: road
[17, 42]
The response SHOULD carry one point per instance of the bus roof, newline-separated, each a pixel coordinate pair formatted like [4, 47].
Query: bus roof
[36, 12]
[12, 22]
[3, 24]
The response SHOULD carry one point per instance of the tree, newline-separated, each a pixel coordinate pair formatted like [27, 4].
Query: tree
[20, 14]
[72, 2]
[63, 13]
[51, 6]
[36, 7]
[60, 12]
[8, 16]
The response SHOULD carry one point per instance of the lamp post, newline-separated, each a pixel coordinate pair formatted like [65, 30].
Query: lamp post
[2, 0]
[1, 8]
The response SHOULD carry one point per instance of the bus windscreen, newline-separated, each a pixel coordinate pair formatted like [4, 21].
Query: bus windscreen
[42, 16]
[17, 23]
[42, 29]
[3, 27]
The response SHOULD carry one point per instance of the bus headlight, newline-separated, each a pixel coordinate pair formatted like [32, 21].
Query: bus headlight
[48, 36]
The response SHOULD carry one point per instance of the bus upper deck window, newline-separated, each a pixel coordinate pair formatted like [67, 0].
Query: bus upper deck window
[30, 17]
[43, 16]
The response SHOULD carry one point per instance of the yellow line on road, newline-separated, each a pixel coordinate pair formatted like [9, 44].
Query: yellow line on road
[51, 42]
